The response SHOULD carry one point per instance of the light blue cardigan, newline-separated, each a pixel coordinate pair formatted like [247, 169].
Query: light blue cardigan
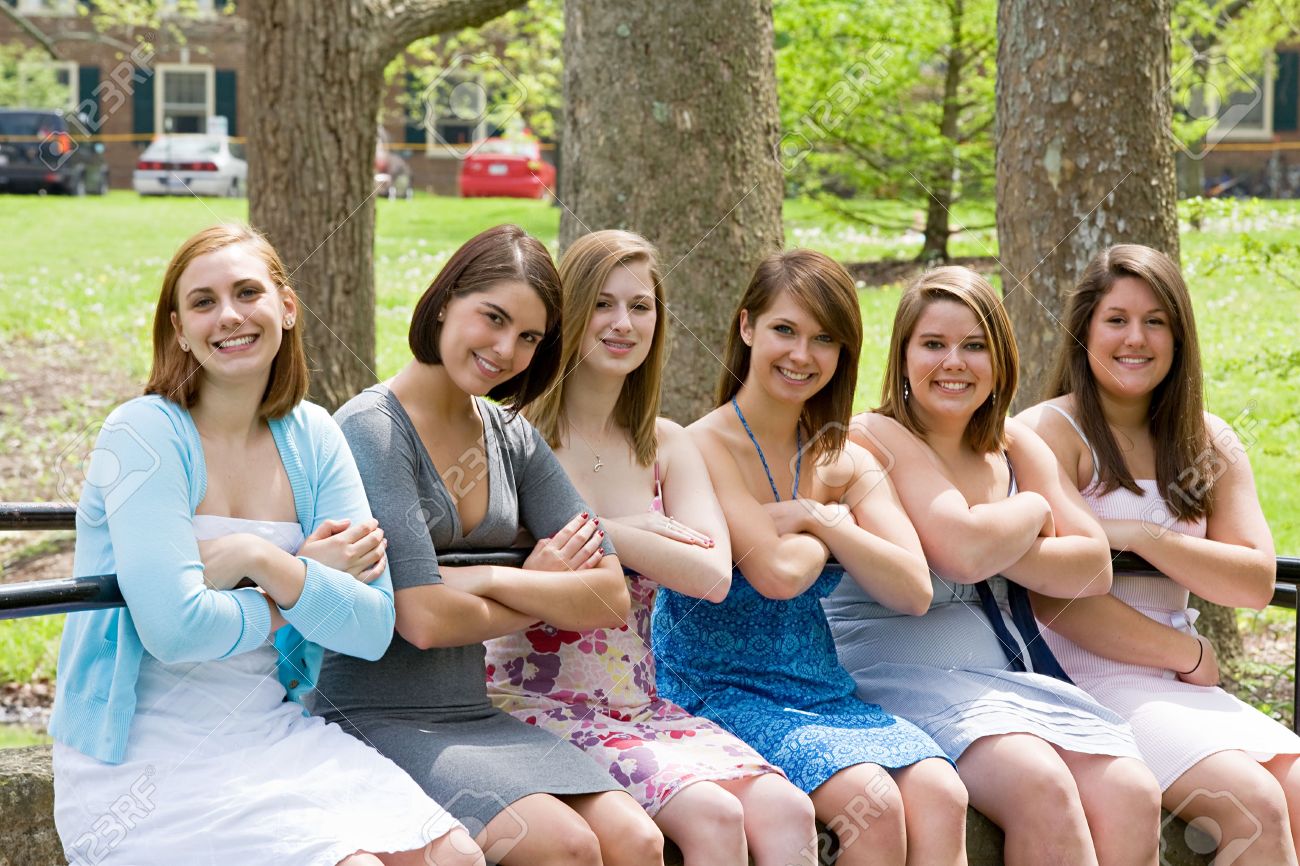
[145, 479]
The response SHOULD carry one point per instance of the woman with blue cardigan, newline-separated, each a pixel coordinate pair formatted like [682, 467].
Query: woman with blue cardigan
[233, 516]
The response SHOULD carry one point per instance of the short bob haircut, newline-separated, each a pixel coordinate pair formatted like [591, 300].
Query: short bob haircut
[505, 252]
[1177, 413]
[585, 268]
[175, 374]
[985, 431]
[822, 287]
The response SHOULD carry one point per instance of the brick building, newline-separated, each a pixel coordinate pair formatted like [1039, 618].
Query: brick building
[132, 85]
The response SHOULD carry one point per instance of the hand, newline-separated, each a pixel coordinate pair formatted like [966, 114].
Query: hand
[229, 559]
[661, 524]
[360, 550]
[576, 546]
[790, 515]
[1206, 673]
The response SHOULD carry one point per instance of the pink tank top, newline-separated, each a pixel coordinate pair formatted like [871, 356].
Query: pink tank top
[1157, 597]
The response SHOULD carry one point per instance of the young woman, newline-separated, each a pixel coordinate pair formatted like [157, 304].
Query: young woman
[174, 741]
[1059, 773]
[793, 491]
[448, 470]
[705, 789]
[1171, 483]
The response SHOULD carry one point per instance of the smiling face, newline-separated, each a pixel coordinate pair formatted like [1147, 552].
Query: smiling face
[490, 336]
[1130, 341]
[622, 325]
[230, 313]
[949, 365]
[793, 355]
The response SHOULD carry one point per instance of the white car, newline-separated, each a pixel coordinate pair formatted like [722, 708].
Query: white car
[190, 165]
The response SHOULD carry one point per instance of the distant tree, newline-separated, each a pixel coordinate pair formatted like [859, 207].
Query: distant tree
[890, 101]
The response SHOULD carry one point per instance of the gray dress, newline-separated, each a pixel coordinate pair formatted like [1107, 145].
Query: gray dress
[428, 710]
[947, 671]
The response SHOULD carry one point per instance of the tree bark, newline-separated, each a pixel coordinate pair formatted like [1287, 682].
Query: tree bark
[938, 215]
[670, 130]
[1084, 157]
[1084, 160]
[316, 68]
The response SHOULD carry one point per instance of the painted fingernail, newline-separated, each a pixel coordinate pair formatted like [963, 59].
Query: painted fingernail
[596, 522]
[601, 533]
[585, 515]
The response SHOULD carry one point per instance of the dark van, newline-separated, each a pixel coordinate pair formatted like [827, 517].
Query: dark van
[38, 151]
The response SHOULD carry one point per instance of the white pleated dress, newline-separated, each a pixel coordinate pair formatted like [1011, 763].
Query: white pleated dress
[1176, 724]
[220, 769]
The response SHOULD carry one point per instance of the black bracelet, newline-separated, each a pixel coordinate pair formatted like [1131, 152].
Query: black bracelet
[1200, 658]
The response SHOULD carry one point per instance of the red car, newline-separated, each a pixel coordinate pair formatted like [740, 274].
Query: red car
[507, 167]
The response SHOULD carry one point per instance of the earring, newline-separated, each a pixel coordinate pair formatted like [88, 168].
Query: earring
[907, 390]
[288, 321]
[185, 344]
[440, 316]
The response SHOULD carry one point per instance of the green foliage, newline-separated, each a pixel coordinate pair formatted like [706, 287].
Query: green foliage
[518, 59]
[886, 101]
[1220, 51]
[27, 80]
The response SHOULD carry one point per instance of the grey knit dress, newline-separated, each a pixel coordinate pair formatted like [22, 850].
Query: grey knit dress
[428, 710]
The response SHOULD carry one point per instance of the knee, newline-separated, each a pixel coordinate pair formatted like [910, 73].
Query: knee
[576, 845]
[716, 810]
[786, 806]
[454, 849]
[1048, 792]
[1132, 790]
[641, 842]
[937, 790]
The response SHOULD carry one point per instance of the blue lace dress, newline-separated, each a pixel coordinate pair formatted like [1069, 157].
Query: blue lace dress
[766, 670]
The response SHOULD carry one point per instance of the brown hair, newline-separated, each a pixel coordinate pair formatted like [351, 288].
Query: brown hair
[824, 289]
[1177, 413]
[584, 270]
[175, 373]
[985, 429]
[505, 252]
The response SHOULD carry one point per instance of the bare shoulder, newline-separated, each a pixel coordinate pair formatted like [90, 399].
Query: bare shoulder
[673, 440]
[1224, 436]
[1023, 438]
[708, 432]
[1053, 428]
[885, 438]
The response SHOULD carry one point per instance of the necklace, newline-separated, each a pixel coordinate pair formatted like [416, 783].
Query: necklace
[599, 464]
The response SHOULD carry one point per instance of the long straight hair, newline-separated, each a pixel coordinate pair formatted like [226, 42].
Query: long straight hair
[985, 431]
[584, 270]
[822, 287]
[1184, 459]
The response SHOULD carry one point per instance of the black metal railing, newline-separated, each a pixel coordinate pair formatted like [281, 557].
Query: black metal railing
[67, 594]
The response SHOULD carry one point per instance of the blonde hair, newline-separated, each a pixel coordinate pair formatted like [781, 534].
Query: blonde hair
[174, 374]
[985, 429]
[584, 270]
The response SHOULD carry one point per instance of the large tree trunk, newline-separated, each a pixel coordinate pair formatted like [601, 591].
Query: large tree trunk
[943, 184]
[316, 68]
[1084, 160]
[1084, 157]
[670, 130]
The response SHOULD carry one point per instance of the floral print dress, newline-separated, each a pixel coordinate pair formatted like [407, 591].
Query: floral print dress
[597, 690]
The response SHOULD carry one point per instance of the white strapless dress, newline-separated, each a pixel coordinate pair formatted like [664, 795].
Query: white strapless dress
[220, 769]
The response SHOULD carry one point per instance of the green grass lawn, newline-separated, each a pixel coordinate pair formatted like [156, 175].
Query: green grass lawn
[85, 273]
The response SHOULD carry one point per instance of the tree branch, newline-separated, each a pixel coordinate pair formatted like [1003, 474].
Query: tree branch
[31, 30]
[400, 22]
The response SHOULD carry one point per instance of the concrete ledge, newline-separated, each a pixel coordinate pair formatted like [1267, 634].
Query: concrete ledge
[27, 836]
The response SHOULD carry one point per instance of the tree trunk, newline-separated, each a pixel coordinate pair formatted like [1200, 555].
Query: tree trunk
[938, 216]
[670, 130]
[1084, 160]
[1084, 156]
[316, 68]
[316, 86]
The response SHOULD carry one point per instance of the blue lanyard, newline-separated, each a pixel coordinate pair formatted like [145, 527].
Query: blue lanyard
[798, 463]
